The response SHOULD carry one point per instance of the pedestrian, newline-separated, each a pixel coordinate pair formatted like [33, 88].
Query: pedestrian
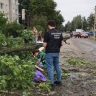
[41, 62]
[34, 33]
[71, 34]
[40, 36]
[53, 40]
[39, 66]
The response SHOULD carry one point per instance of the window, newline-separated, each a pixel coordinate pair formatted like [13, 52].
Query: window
[17, 20]
[6, 7]
[13, 10]
[13, 1]
[13, 18]
[16, 11]
[16, 2]
[1, 5]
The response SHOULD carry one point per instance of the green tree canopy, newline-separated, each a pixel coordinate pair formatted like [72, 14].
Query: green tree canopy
[68, 26]
[90, 21]
[76, 23]
[11, 29]
[44, 10]
[84, 24]
[43, 7]
[39, 20]
[80, 22]
[3, 20]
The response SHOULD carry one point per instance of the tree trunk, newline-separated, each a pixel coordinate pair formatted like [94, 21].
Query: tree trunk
[24, 48]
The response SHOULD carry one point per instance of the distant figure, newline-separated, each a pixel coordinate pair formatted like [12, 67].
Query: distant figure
[40, 36]
[71, 34]
[34, 32]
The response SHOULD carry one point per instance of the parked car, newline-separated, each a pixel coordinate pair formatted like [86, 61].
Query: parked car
[84, 35]
[90, 33]
[77, 34]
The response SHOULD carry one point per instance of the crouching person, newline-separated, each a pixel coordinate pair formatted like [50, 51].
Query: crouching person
[39, 66]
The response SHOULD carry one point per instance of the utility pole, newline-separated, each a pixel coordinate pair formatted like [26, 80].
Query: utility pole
[95, 23]
[27, 18]
[82, 22]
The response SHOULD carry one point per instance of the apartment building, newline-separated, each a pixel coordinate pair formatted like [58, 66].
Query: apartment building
[10, 9]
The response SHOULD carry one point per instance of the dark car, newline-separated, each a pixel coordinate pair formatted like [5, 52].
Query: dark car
[90, 33]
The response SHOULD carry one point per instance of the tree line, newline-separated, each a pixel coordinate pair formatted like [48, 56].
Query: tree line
[80, 22]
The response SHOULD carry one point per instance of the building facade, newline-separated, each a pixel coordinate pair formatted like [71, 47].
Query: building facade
[10, 9]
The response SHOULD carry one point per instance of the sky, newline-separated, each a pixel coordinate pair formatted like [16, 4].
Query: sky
[71, 8]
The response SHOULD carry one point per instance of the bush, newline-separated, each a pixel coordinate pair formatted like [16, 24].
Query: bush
[11, 29]
[16, 73]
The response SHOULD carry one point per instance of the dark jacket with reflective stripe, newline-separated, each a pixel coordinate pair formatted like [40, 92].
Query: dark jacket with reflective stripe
[53, 41]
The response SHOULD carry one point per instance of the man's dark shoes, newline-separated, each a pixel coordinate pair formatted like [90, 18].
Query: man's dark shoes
[58, 82]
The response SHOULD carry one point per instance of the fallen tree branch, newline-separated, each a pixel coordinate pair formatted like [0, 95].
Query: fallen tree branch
[23, 48]
[65, 38]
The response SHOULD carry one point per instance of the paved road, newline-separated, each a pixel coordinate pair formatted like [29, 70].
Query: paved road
[86, 46]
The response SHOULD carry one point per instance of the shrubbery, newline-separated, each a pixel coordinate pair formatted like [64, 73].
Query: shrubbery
[11, 29]
[16, 60]
[16, 73]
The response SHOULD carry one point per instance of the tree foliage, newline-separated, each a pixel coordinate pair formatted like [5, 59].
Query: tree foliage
[46, 8]
[3, 20]
[77, 22]
[43, 7]
[41, 11]
[90, 21]
[15, 72]
[24, 4]
[84, 24]
[68, 26]
[11, 29]
[80, 22]
[39, 20]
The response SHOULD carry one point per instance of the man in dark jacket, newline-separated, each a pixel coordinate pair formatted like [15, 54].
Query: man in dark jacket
[53, 40]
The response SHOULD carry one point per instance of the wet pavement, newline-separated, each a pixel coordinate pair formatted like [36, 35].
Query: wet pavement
[86, 46]
[81, 80]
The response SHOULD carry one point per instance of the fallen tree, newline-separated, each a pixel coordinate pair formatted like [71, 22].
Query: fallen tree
[23, 48]
[7, 50]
